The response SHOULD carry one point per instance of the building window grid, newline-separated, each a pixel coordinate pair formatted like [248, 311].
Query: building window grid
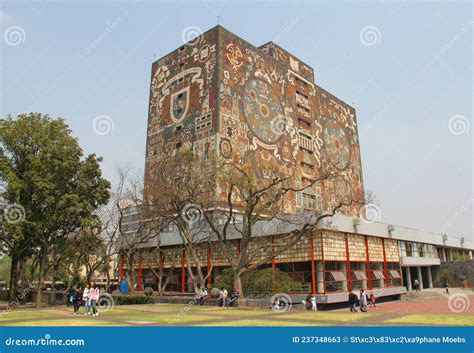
[335, 272]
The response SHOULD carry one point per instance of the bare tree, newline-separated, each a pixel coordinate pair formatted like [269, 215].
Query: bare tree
[254, 195]
[134, 224]
[179, 179]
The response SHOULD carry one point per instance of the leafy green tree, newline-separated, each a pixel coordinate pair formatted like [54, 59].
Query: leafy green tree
[5, 264]
[45, 176]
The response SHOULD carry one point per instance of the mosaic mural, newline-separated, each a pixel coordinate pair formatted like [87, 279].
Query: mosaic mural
[269, 104]
[225, 96]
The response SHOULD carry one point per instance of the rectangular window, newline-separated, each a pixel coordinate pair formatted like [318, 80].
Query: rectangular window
[338, 276]
[301, 82]
[360, 275]
[394, 274]
[307, 165]
[409, 249]
[378, 274]
[304, 123]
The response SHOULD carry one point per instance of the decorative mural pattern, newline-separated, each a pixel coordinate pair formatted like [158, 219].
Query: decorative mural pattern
[262, 100]
[269, 103]
[182, 110]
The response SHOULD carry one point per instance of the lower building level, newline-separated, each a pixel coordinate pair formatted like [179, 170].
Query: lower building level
[345, 256]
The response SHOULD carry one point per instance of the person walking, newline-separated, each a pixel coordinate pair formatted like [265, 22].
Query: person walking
[69, 297]
[314, 306]
[363, 301]
[372, 301]
[446, 287]
[87, 300]
[417, 285]
[77, 299]
[309, 305]
[353, 302]
[94, 296]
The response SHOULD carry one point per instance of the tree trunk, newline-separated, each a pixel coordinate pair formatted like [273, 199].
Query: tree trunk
[42, 265]
[107, 271]
[12, 291]
[238, 283]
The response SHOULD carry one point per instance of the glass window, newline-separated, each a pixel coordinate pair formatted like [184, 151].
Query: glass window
[338, 275]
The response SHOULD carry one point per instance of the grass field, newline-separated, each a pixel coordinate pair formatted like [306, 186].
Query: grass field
[185, 315]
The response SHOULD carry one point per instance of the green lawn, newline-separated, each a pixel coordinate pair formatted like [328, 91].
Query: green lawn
[185, 315]
[69, 322]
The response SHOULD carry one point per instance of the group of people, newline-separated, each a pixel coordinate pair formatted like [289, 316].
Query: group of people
[224, 300]
[89, 295]
[363, 301]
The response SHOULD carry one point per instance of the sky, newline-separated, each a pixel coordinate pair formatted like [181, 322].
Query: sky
[406, 67]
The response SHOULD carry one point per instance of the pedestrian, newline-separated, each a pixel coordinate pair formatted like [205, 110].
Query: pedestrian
[275, 305]
[202, 296]
[309, 305]
[313, 303]
[372, 301]
[363, 301]
[417, 285]
[223, 297]
[234, 298]
[77, 299]
[94, 295]
[68, 296]
[446, 287]
[353, 302]
[87, 299]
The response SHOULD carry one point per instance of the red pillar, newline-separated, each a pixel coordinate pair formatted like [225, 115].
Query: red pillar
[139, 287]
[385, 269]
[121, 267]
[183, 282]
[313, 270]
[323, 261]
[348, 265]
[367, 263]
[209, 280]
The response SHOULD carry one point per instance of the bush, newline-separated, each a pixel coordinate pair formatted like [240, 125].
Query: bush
[133, 299]
[258, 283]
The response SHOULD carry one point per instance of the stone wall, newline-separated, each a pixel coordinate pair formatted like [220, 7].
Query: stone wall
[461, 271]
